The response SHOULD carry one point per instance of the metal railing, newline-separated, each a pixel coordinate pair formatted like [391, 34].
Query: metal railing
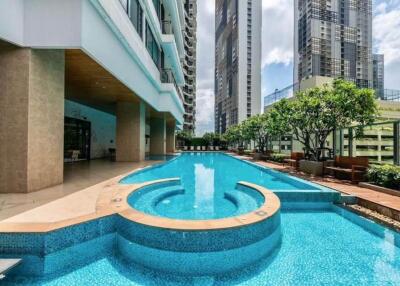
[277, 95]
[391, 95]
[166, 26]
[167, 76]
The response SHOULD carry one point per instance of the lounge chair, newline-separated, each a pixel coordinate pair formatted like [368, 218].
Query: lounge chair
[216, 148]
[191, 148]
[185, 148]
[198, 148]
[203, 148]
[211, 148]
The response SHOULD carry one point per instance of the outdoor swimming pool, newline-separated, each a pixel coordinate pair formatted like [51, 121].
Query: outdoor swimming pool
[306, 240]
[208, 181]
[326, 247]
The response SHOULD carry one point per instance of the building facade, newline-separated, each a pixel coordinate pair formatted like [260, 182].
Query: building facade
[237, 61]
[379, 75]
[189, 65]
[86, 77]
[333, 38]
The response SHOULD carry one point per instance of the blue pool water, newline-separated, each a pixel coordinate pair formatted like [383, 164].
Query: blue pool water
[208, 188]
[327, 247]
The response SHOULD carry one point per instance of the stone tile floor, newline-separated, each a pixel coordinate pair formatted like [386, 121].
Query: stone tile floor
[77, 196]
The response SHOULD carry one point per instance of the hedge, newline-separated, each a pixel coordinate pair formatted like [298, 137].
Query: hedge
[387, 176]
[278, 157]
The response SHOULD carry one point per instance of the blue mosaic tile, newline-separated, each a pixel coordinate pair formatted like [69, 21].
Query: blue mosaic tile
[198, 263]
[196, 241]
[69, 236]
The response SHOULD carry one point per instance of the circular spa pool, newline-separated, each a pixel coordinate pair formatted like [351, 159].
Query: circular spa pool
[164, 227]
[172, 200]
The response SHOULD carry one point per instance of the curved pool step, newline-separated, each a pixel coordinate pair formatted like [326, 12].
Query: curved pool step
[244, 202]
[149, 201]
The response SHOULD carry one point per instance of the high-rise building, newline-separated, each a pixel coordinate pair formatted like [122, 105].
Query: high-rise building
[237, 61]
[333, 38]
[189, 65]
[86, 79]
[379, 75]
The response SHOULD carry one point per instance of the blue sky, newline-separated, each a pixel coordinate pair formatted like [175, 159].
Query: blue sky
[277, 55]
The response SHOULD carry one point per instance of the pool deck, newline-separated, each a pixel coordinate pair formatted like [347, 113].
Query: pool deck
[73, 201]
[388, 204]
[79, 198]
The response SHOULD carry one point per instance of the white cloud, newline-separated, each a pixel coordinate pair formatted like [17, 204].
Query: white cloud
[205, 111]
[205, 67]
[277, 32]
[386, 36]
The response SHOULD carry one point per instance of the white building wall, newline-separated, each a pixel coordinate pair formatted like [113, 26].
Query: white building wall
[102, 30]
[256, 59]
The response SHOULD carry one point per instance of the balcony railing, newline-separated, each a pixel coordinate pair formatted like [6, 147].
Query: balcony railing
[166, 27]
[167, 76]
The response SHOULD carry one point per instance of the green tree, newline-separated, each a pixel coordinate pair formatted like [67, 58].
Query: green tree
[234, 135]
[184, 137]
[256, 129]
[211, 138]
[317, 112]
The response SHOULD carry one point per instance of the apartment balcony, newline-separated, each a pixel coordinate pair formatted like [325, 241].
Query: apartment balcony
[167, 76]
[170, 48]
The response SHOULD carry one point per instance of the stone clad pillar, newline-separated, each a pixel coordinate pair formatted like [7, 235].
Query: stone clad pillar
[31, 118]
[157, 136]
[171, 136]
[131, 128]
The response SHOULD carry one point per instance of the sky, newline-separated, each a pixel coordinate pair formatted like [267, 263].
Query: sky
[277, 50]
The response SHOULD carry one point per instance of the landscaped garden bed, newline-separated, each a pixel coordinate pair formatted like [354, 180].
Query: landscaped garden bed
[384, 178]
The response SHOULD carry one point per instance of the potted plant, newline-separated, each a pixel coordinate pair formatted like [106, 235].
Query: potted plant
[317, 112]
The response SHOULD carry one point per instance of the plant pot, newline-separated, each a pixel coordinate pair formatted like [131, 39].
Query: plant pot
[257, 156]
[312, 167]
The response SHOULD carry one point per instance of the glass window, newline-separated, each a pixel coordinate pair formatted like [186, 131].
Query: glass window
[136, 15]
[152, 46]
[124, 4]
[157, 6]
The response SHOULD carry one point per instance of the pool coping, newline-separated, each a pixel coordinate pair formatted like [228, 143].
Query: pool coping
[269, 208]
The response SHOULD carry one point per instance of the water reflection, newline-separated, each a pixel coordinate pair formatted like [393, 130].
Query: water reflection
[204, 190]
[384, 269]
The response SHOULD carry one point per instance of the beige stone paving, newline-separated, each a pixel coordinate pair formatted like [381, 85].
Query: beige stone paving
[76, 197]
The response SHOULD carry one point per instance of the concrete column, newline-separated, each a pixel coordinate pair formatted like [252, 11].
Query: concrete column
[131, 127]
[171, 137]
[31, 118]
[157, 136]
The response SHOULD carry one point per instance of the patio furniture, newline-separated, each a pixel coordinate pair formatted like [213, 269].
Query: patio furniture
[353, 167]
[203, 148]
[294, 159]
[191, 148]
[185, 148]
[198, 148]
[216, 148]
[266, 155]
[211, 148]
